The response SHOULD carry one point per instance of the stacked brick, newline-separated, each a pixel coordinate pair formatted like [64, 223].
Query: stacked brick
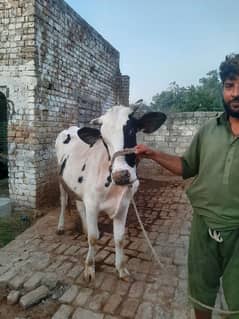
[57, 71]
[124, 94]
[17, 83]
[176, 134]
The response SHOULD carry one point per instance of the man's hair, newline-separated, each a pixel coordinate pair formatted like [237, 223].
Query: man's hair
[229, 68]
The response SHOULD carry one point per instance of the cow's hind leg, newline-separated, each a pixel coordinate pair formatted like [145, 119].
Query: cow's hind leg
[119, 230]
[64, 199]
[81, 209]
[93, 235]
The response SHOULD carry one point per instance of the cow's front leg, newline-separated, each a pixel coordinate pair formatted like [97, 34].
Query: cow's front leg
[64, 199]
[119, 230]
[93, 235]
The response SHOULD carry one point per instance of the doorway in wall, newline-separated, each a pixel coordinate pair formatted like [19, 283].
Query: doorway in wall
[3, 146]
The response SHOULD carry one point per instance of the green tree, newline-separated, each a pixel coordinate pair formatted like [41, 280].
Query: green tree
[203, 97]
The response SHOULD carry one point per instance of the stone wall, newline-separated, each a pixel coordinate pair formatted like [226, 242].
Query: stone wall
[173, 137]
[124, 90]
[17, 83]
[78, 75]
[55, 71]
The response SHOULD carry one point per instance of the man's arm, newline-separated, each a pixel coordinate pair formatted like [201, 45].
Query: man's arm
[171, 162]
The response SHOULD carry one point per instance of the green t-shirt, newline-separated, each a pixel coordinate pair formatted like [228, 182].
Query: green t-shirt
[213, 159]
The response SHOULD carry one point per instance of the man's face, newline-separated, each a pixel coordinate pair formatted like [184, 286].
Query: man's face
[231, 96]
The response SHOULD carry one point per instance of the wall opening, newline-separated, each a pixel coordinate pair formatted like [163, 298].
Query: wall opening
[3, 143]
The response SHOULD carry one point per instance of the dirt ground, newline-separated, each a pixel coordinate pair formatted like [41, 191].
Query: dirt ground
[44, 310]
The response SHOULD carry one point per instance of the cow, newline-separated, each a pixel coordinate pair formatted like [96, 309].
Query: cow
[86, 170]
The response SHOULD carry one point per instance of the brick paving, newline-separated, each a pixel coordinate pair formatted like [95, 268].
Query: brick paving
[46, 266]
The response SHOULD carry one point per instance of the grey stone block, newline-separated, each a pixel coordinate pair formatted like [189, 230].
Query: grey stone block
[13, 297]
[69, 295]
[81, 313]
[6, 277]
[34, 297]
[63, 312]
[34, 281]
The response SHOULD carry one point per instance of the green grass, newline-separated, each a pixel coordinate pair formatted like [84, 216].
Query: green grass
[12, 226]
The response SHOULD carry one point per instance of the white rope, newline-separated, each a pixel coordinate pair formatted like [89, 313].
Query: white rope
[220, 311]
[125, 151]
[145, 234]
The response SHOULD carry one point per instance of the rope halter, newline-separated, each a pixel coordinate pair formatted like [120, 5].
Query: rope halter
[123, 152]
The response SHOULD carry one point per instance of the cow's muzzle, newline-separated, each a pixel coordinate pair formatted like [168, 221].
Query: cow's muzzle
[121, 177]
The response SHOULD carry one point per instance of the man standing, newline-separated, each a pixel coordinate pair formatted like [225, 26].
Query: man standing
[213, 159]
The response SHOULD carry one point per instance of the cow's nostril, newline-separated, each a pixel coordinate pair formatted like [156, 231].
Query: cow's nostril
[121, 177]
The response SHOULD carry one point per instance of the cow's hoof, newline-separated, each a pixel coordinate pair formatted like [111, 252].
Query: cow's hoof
[124, 274]
[89, 273]
[60, 231]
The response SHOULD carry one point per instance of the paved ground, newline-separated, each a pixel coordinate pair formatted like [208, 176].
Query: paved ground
[50, 266]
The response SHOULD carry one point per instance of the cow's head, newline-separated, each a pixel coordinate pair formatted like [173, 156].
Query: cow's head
[118, 131]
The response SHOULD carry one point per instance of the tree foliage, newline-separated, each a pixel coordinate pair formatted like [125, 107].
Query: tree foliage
[203, 97]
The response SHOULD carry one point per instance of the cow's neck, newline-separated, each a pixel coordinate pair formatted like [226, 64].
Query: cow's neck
[107, 149]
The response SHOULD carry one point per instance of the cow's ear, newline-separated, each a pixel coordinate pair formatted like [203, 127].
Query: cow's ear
[151, 121]
[98, 120]
[89, 135]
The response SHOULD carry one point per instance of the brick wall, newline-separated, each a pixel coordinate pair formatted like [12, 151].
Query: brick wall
[77, 76]
[3, 125]
[55, 71]
[17, 83]
[124, 90]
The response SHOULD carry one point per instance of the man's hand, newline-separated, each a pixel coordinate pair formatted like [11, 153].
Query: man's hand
[172, 162]
[143, 151]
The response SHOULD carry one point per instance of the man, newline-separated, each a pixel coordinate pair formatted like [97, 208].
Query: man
[213, 159]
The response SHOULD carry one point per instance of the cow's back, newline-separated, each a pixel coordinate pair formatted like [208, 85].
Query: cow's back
[66, 141]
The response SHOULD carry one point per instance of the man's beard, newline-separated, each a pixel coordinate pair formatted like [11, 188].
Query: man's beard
[228, 109]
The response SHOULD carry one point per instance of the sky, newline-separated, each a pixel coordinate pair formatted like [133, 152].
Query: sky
[164, 41]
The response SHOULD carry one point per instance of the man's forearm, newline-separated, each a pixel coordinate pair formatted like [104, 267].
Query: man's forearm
[171, 162]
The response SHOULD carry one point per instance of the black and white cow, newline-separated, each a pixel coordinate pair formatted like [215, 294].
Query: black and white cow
[84, 157]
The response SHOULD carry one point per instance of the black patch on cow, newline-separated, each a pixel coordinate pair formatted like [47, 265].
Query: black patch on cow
[80, 179]
[130, 130]
[63, 165]
[67, 140]
[83, 167]
[109, 180]
[89, 135]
